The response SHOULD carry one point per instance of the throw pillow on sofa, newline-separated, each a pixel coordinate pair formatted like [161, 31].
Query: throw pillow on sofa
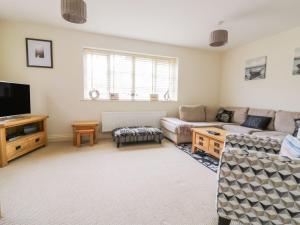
[257, 122]
[224, 116]
[290, 147]
[297, 128]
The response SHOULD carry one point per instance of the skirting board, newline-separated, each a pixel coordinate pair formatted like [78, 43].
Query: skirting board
[60, 137]
[69, 137]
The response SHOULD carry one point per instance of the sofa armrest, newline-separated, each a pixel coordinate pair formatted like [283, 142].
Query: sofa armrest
[253, 143]
[257, 187]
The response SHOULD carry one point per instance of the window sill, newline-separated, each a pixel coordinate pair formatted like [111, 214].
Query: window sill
[128, 100]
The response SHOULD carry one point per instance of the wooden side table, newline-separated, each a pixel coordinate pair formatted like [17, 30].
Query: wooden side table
[81, 128]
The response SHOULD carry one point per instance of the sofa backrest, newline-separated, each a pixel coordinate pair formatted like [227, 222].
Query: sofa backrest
[285, 121]
[239, 114]
[211, 113]
[282, 121]
[264, 112]
[192, 113]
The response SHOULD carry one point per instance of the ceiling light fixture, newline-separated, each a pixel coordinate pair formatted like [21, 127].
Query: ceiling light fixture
[218, 37]
[74, 11]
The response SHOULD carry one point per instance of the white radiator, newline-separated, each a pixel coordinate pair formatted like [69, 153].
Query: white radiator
[112, 120]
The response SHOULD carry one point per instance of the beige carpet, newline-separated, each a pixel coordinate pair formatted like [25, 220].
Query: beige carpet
[147, 184]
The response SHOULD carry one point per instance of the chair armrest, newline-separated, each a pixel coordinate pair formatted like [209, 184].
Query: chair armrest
[255, 186]
[251, 142]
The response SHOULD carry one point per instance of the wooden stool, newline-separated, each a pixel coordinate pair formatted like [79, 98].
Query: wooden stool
[80, 133]
[84, 128]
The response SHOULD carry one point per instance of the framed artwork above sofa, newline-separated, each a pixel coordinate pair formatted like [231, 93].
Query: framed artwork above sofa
[256, 68]
[296, 67]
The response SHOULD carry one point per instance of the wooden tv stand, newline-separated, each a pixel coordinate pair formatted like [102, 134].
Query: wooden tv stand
[22, 143]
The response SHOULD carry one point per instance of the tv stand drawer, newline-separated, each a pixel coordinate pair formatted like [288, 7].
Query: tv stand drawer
[23, 145]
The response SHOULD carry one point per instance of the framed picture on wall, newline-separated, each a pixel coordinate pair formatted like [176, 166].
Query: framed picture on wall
[39, 53]
[256, 68]
[296, 67]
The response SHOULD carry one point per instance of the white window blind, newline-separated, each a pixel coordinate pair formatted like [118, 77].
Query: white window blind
[130, 76]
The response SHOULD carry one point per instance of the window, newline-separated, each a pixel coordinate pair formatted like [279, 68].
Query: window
[129, 76]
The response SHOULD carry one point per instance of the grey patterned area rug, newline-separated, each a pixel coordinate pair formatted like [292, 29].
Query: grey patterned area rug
[206, 160]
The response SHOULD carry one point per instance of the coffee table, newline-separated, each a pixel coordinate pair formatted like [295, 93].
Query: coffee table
[209, 143]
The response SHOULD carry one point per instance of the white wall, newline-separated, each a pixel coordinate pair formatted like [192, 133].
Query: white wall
[280, 89]
[58, 92]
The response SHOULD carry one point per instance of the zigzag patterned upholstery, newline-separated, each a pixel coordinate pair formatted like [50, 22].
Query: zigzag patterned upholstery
[251, 142]
[257, 186]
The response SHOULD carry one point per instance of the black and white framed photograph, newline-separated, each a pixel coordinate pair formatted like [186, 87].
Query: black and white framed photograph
[296, 67]
[39, 53]
[256, 68]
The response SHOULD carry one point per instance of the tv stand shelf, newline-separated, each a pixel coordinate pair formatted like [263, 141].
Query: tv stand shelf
[23, 143]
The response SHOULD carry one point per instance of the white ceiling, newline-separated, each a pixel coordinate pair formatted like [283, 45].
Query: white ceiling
[179, 22]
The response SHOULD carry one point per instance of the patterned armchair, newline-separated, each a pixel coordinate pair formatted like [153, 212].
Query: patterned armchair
[257, 186]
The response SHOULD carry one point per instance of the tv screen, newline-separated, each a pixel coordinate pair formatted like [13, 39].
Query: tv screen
[14, 99]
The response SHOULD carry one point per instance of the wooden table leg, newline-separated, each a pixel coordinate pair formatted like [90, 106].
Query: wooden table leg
[74, 136]
[78, 137]
[45, 130]
[194, 148]
[91, 139]
[3, 156]
[95, 132]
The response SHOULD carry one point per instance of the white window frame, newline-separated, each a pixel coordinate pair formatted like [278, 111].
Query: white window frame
[172, 60]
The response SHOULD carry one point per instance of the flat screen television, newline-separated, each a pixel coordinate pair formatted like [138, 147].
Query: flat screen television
[14, 99]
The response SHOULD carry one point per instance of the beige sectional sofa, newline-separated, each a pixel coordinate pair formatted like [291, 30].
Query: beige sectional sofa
[179, 131]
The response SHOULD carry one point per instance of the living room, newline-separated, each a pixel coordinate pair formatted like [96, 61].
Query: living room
[253, 72]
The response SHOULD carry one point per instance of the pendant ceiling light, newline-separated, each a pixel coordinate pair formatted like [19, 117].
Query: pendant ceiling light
[73, 11]
[218, 37]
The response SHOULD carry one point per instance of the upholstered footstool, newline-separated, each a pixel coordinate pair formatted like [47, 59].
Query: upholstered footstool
[136, 134]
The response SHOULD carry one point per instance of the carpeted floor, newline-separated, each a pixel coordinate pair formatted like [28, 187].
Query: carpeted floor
[148, 184]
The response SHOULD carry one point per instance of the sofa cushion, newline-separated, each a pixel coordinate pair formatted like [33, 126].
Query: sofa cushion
[239, 129]
[272, 134]
[208, 124]
[178, 126]
[285, 121]
[239, 114]
[171, 123]
[264, 112]
[192, 113]
[257, 122]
